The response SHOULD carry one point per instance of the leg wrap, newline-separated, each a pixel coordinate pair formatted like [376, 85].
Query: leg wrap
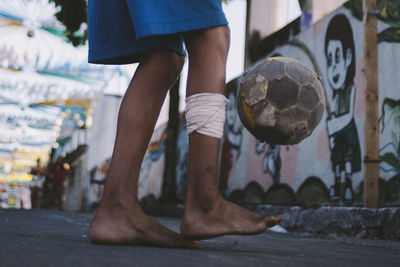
[205, 114]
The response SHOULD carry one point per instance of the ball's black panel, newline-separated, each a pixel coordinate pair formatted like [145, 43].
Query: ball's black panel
[299, 72]
[283, 92]
[308, 97]
[271, 135]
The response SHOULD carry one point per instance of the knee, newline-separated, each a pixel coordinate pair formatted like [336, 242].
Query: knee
[212, 39]
[173, 63]
[166, 63]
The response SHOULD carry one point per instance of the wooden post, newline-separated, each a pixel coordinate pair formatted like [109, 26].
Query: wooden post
[371, 126]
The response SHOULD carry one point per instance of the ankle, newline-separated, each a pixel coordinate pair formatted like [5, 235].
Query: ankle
[119, 202]
[205, 203]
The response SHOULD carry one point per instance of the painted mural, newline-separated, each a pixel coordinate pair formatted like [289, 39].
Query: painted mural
[328, 165]
[150, 178]
[152, 170]
[390, 116]
[344, 143]
[325, 168]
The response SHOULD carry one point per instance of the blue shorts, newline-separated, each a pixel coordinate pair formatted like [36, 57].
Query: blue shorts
[121, 31]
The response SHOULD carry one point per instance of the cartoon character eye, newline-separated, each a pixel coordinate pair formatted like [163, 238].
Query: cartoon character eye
[337, 55]
[329, 59]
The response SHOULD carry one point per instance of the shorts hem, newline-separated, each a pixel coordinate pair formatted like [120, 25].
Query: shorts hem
[126, 53]
[179, 26]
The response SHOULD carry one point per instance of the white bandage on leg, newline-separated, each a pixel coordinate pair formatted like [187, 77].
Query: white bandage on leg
[205, 114]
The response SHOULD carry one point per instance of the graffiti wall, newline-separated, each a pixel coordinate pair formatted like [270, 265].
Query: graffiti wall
[152, 170]
[326, 168]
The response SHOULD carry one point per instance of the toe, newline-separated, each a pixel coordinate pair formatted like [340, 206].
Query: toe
[190, 244]
[273, 220]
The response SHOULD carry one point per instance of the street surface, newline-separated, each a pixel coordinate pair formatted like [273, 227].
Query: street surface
[53, 238]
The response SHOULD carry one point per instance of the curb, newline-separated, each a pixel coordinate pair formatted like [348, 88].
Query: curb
[382, 223]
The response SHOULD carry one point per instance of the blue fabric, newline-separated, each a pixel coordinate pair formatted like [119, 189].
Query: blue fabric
[121, 31]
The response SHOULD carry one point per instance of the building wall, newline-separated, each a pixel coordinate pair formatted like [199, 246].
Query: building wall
[152, 170]
[323, 8]
[74, 197]
[101, 136]
[304, 174]
[308, 170]
[266, 16]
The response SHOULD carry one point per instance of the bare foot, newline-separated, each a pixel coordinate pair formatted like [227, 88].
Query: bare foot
[224, 218]
[133, 228]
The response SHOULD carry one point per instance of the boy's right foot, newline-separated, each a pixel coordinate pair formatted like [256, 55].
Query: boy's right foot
[224, 218]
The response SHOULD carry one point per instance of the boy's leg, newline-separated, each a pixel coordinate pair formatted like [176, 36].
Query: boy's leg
[206, 213]
[119, 218]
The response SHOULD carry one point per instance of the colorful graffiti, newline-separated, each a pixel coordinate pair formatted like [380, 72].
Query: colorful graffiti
[233, 135]
[325, 168]
[327, 165]
[390, 152]
[152, 169]
[272, 160]
[342, 130]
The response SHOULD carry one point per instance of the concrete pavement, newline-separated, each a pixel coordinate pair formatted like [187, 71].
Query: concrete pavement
[53, 238]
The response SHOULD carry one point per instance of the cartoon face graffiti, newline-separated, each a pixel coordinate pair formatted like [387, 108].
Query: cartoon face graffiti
[339, 53]
[338, 62]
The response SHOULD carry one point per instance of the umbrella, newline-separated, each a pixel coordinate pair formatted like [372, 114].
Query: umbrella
[29, 87]
[42, 117]
[32, 37]
[27, 136]
[26, 41]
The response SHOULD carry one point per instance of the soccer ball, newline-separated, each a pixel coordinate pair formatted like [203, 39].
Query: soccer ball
[280, 101]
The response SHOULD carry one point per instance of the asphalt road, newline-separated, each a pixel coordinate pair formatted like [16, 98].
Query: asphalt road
[53, 238]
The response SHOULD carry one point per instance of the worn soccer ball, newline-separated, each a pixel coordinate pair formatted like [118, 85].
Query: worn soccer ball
[280, 101]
